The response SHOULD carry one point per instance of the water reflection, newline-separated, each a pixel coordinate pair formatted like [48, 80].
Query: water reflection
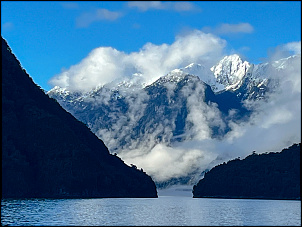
[165, 210]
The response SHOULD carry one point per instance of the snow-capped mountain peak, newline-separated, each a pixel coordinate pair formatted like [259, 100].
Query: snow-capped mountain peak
[138, 121]
[230, 71]
[59, 90]
[228, 74]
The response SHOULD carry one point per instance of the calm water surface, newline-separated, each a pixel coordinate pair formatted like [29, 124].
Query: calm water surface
[165, 210]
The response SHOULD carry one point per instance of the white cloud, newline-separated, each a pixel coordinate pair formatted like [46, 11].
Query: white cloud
[101, 65]
[295, 47]
[165, 5]
[274, 125]
[105, 64]
[100, 14]
[284, 50]
[164, 162]
[223, 29]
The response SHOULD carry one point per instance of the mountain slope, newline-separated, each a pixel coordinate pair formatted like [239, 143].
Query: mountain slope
[185, 108]
[274, 175]
[46, 152]
[130, 114]
[132, 120]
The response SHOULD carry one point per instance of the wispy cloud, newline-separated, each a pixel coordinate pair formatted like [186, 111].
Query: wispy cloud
[100, 14]
[7, 26]
[146, 5]
[136, 26]
[284, 50]
[70, 5]
[227, 29]
[184, 6]
[158, 5]
[294, 47]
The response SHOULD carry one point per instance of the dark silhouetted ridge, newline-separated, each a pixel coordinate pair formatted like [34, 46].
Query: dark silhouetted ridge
[46, 152]
[274, 175]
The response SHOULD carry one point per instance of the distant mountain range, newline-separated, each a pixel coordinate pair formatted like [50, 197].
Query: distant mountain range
[48, 153]
[133, 118]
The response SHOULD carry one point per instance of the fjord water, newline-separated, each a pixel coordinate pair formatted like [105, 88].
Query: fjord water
[175, 209]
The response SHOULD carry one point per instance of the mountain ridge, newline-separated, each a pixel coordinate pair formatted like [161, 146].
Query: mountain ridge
[177, 108]
[48, 153]
[274, 175]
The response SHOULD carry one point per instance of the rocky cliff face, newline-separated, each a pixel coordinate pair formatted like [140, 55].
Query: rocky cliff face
[46, 152]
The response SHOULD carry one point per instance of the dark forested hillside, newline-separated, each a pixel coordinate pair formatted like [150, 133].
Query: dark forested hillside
[274, 175]
[46, 152]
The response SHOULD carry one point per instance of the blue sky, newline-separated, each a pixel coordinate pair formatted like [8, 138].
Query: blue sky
[49, 37]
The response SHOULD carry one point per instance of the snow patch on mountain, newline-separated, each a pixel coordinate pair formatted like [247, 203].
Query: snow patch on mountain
[205, 75]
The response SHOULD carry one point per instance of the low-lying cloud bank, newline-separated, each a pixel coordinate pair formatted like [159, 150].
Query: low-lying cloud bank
[274, 124]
